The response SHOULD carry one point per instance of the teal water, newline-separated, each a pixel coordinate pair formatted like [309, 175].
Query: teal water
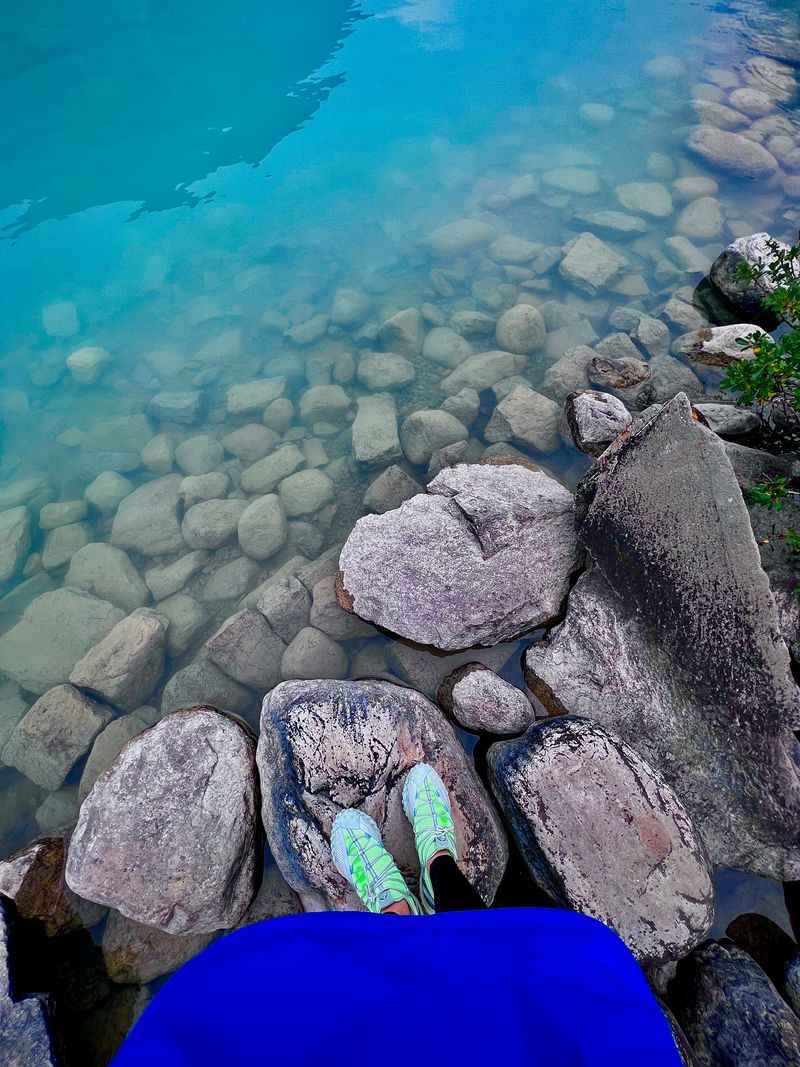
[176, 174]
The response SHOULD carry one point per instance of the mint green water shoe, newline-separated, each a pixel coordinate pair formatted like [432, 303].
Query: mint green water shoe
[427, 807]
[359, 856]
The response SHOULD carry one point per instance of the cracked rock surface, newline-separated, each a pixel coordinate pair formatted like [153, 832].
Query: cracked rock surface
[484, 556]
[169, 833]
[328, 745]
[575, 797]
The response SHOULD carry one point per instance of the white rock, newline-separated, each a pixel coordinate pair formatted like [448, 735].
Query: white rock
[578, 180]
[87, 364]
[702, 219]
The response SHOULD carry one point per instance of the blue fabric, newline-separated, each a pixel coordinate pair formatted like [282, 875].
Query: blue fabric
[523, 986]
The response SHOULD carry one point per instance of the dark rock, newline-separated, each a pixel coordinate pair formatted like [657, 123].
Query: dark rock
[168, 835]
[730, 1011]
[678, 649]
[766, 943]
[482, 701]
[136, 953]
[595, 420]
[746, 297]
[618, 373]
[656, 891]
[484, 556]
[24, 1024]
[329, 745]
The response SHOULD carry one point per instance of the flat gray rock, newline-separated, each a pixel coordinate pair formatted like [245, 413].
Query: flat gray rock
[620, 847]
[481, 701]
[248, 650]
[169, 834]
[483, 556]
[676, 647]
[125, 667]
[327, 745]
[375, 438]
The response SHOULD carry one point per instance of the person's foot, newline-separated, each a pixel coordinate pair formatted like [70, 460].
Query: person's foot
[359, 856]
[427, 807]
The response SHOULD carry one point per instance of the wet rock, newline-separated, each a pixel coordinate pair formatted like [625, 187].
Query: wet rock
[182, 407]
[312, 654]
[305, 492]
[350, 307]
[285, 605]
[87, 364]
[692, 188]
[255, 396]
[456, 238]
[329, 616]
[729, 421]
[309, 332]
[107, 573]
[250, 443]
[527, 418]
[658, 658]
[12, 708]
[668, 377]
[199, 455]
[264, 476]
[449, 456]
[147, 519]
[107, 492]
[423, 432]
[482, 371]
[61, 514]
[15, 540]
[50, 739]
[136, 953]
[746, 297]
[187, 621]
[158, 455]
[612, 223]
[380, 370]
[323, 403]
[578, 180]
[715, 346]
[61, 544]
[589, 264]
[481, 701]
[645, 198]
[389, 490]
[683, 316]
[404, 333]
[658, 893]
[247, 649]
[262, 527]
[595, 420]
[34, 879]
[776, 80]
[274, 899]
[107, 745]
[483, 556]
[521, 329]
[702, 219]
[125, 667]
[447, 347]
[687, 257]
[513, 250]
[720, 116]
[202, 680]
[24, 1025]
[375, 437]
[731, 152]
[653, 336]
[55, 631]
[212, 523]
[624, 373]
[169, 834]
[752, 102]
[473, 324]
[231, 581]
[730, 1011]
[328, 745]
[163, 581]
[569, 373]
[197, 488]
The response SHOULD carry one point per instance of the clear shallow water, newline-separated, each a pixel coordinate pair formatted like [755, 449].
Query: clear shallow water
[185, 174]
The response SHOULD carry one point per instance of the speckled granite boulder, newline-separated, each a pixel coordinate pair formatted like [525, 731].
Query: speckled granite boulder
[483, 556]
[482, 701]
[679, 652]
[328, 745]
[595, 420]
[169, 834]
[746, 297]
[620, 847]
[731, 1012]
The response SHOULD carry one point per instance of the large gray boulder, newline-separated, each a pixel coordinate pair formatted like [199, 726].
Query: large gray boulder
[55, 631]
[169, 834]
[621, 847]
[731, 1012]
[327, 745]
[483, 556]
[746, 297]
[125, 667]
[676, 646]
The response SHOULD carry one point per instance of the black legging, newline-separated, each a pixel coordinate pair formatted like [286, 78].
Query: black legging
[451, 890]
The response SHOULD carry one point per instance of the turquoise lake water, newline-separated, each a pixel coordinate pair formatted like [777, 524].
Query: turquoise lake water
[182, 176]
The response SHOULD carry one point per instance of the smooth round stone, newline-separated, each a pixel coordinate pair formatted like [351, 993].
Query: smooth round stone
[425, 432]
[305, 492]
[718, 115]
[196, 488]
[596, 115]
[312, 654]
[521, 330]
[262, 527]
[199, 455]
[212, 523]
[480, 701]
[107, 492]
[731, 152]
[87, 364]
[702, 219]
[752, 102]
[646, 198]
[456, 238]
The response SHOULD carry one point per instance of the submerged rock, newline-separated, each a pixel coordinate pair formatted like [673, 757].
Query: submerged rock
[621, 847]
[125, 667]
[527, 418]
[482, 371]
[521, 329]
[716, 346]
[483, 702]
[107, 572]
[375, 436]
[15, 540]
[676, 647]
[732, 152]
[730, 1011]
[390, 489]
[589, 264]
[425, 432]
[329, 745]
[247, 649]
[455, 238]
[483, 556]
[147, 520]
[169, 834]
